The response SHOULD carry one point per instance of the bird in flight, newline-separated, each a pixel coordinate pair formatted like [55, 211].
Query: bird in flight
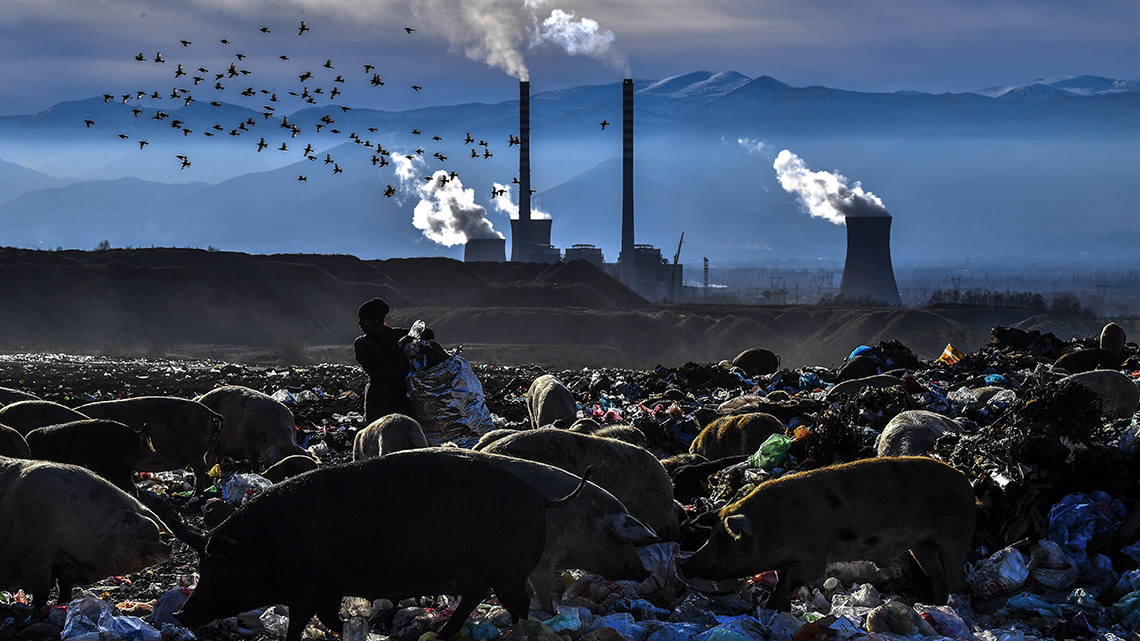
[604, 124]
[224, 41]
[409, 29]
[143, 143]
[303, 28]
[261, 144]
[185, 161]
[469, 139]
[390, 191]
[301, 179]
[416, 87]
[264, 30]
[88, 123]
[185, 43]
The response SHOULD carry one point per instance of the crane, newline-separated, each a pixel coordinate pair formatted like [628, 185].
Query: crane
[677, 256]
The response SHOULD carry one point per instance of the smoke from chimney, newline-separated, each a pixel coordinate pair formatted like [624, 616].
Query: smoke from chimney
[824, 194]
[447, 213]
[493, 31]
[505, 204]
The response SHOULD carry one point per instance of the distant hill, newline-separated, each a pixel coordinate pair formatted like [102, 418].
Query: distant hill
[968, 174]
[301, 308]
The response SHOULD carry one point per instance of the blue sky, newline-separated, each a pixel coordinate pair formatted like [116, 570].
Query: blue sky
[467, 50]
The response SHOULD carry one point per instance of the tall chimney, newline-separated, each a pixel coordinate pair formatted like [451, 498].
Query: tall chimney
[627, 259]
[522, 241]
[524, 150]
[868, 272]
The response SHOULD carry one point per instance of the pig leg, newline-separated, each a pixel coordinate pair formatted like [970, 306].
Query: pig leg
[790, 578]
[467, 602]
[941, 563]
[201, 476]
[299, 617]
[542, 581]
[514, 598]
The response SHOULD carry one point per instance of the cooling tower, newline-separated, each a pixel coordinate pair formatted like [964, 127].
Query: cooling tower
[485, 250]
[628, 271]
[868, 272]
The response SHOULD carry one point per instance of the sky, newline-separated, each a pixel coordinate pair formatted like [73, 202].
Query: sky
[469, 50]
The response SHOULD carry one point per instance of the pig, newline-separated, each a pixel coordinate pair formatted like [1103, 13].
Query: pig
[735, 435]
[549, 402]
[25, 416]
[181, 431]
[913, 433]
[1117, 391]
[492, 436]
[12, 443]
[626, 433]
[388, 434]
[289, 467]
[757, 361]
[856, 385]
[362, 529]
[108, 448]
[257, 426]
[594, 532]
[64, 523]
[1112, 338]
[9, 395]
[1087, 360]
[585, 425]
[868, 510]
[692, 480]
[630, 473]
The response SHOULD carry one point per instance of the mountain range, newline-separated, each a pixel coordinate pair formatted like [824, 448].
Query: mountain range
[1040, 171]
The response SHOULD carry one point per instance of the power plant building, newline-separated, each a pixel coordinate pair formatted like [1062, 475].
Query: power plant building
[868, 272]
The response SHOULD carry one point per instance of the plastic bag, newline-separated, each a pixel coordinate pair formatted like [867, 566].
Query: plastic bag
[1127, 609]
[1051, 567]
[625, 625]
[1076, 520]
[92, 619]
[950, 355]
[771, 453]
[240, 488]
[744, 628]
[448, 399]
[1004, 571]
[167, 604]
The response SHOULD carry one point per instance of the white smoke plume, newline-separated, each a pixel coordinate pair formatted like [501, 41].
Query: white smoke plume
[447, 213]
[493, 31]
[751, 145]
[824, 194]
[581, 37]
[506, 205]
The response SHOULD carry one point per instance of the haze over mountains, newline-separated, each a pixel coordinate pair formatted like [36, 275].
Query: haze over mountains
[1036, 172]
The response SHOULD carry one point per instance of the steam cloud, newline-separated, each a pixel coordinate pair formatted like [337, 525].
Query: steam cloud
[447, 213]
[493, 31]
[824, 194]
[751, 145]
[506, 205]
[582, 37]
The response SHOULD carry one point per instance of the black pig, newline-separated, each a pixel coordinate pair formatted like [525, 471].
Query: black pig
[375, 529]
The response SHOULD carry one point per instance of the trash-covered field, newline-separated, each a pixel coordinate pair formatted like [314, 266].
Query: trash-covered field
[1056, 551]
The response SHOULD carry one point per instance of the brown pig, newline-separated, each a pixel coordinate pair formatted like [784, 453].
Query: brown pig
[257, 427]
[549, 402]
[735, 435]
[630, 473]
[289, 467]
[25, 416]
[388, 434]
[868, 510]
[64, 523]
[181, 431]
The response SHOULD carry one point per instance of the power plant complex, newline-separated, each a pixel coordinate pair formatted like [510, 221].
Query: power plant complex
[867, 273]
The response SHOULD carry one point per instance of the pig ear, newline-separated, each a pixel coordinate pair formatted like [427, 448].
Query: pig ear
[626, 527]
[738, 525]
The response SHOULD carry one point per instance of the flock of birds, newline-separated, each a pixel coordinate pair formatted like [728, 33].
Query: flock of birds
[201, 76]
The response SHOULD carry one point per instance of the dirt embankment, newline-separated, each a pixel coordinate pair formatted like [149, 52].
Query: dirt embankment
[302, 308]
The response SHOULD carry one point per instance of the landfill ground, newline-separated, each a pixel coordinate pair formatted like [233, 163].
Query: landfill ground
[1055, 555]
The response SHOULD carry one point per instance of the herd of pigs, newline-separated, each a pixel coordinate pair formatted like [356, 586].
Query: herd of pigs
[572, 487]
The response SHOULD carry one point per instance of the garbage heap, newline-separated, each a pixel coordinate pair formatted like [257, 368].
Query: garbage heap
[1056, 551]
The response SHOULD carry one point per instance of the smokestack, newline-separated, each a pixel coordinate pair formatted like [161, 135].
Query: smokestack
[524, 150]
[522, 241]
[484, 250]
[868, 271]
[628, 271]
